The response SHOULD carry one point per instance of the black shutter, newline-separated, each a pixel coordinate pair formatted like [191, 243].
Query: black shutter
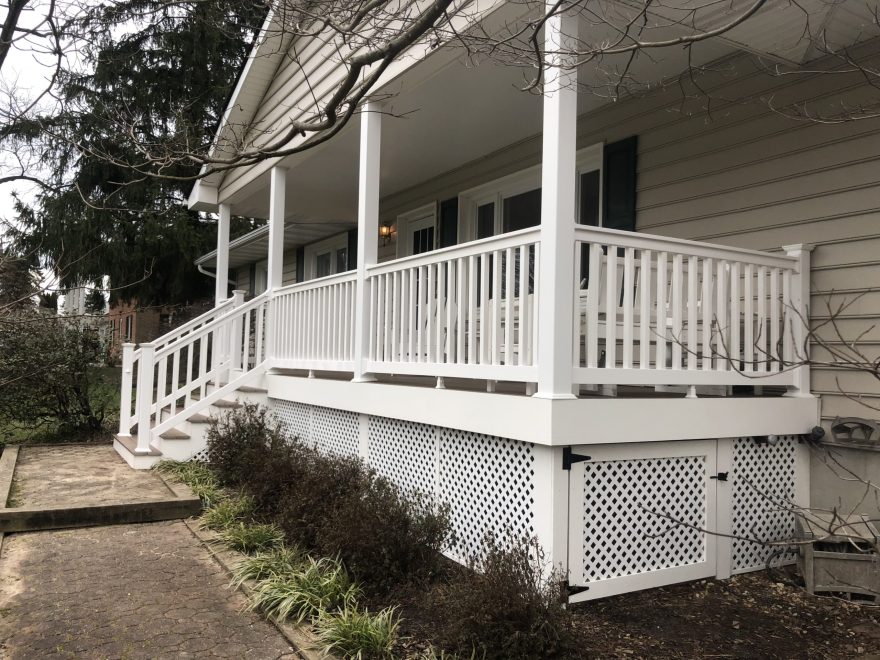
[352, 248]
[300, 264]
[449, 222]
[620, 184]
[252, 280]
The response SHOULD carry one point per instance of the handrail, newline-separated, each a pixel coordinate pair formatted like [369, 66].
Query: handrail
[500, 242]
[629, 239]
[316, 283]
[210, 326]
[176, 333]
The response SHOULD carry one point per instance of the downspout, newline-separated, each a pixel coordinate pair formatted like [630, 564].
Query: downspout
[202, 270]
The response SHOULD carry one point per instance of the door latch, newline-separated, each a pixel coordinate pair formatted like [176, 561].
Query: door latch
[721, 476]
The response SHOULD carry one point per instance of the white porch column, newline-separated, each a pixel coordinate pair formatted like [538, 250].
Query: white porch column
[221, 285]
[368, 230]
[800, 305]
[558, 185]
[277, 189]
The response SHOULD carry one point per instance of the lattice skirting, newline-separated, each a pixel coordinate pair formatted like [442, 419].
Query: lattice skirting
[487, 482]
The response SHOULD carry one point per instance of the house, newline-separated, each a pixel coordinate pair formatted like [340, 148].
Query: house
[565, 316]
[130, 322]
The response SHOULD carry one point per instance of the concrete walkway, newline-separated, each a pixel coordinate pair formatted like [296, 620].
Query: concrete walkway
[124, 591]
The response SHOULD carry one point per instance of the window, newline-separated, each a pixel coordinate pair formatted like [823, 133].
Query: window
[417, 231]
[326, 257]
[128, 324]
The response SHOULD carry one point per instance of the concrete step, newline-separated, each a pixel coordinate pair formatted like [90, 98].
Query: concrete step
[226, 403]
[248, 389]
[129, 442]
[198, 418]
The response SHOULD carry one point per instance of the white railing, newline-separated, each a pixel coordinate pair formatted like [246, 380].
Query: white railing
[468, 310]
[313, 324]
[173, 374]
[653, 310]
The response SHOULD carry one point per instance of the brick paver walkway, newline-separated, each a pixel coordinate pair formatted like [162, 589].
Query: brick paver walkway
[125, 591]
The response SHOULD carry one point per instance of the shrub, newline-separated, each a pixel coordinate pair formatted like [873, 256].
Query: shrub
[251, 539]
[317, 586]
[505, 607]
[335, 506]
[226, 513]
[200, 479]
[352, 633]
[283, 560]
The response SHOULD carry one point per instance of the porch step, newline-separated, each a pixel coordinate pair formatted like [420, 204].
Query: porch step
[174, 434]
[225, 403]
[198, 418]
[249, 389]
[129, 442]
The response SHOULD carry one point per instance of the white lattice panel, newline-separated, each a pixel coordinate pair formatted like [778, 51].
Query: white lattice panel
[335, 431]
[763, 483]
[200, 456]
[631, 513]
[293, 417]
[404, 452]
[488, 483]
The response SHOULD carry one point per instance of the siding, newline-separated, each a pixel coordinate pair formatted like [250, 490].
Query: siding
[747, 176]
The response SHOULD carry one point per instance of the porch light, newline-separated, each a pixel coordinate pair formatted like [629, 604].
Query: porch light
[385, 232]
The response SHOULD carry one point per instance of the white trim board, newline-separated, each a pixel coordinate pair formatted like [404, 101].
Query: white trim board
[558, 422]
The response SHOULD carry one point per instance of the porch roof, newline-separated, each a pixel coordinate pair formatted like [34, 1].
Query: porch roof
[254, 245]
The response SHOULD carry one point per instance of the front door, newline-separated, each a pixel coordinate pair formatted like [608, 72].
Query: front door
[636, 516]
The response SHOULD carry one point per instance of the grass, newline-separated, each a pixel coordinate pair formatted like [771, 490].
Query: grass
[354, 633]
[197, 476]
[251, 539]
[227, 512]
[317, 587]
[283, 560]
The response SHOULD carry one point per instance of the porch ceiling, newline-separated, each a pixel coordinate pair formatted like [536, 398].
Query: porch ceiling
[444, 113]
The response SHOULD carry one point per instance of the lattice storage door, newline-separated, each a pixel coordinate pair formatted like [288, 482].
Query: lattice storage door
[293, 417]
[404, 452]
[635, 520]
[335, 431]
[762, 492]
[488, 483]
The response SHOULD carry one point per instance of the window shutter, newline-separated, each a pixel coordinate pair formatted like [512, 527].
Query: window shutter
[620, 184]
[352, 248]
[252, 280]
[448, 222]
[300, 264]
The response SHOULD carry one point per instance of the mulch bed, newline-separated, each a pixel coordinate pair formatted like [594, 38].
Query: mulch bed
[756, 615]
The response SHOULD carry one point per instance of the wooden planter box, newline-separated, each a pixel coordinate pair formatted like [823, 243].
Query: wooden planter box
[839, 554]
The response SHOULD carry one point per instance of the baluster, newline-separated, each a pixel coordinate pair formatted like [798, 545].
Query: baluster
[161, 383]
[405, 311]
[430, 338]
[258, 341]
[536, 303]
[594, 292]
[788, 319]
[473, 262]
[508, 306]
[203, 361]
[496, 307]
[380, 318]
[708, 270]
[395, 315]
[420, 316]
[762, 320]
[175, 380]
[692, 279]
[461, 320]
[246, 352]
[628, 285]
[483, 348]
[662, 310]
[190, 348]
[677, 303]
[775, 353]
[646, 259]
[524, 312]
[450, 311]
[735, 302]
[413, 313]
[439, 340]
[749, 319]
[721, 307]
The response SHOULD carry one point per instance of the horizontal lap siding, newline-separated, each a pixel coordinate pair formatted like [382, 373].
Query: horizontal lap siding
[752, 178]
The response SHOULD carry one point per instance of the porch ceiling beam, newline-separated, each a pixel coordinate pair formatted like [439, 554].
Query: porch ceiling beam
[558, 178]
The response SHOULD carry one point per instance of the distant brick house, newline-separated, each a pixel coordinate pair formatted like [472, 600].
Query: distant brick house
[130, 322]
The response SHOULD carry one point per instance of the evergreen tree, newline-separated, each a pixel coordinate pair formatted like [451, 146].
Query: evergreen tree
[168, 69]
[18, 282]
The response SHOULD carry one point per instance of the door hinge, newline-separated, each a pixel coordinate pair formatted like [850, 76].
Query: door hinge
[721, 476]
[569, 458]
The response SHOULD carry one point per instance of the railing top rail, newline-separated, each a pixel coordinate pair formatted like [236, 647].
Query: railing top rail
[499, 242]
[621, 238]
[347, 276]
[210, 326]
[174, 334]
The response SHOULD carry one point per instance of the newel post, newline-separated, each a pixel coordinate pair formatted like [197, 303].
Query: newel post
[145, 398]
[368, 231]
[558, 185]
[125, 393]
[800, 319]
